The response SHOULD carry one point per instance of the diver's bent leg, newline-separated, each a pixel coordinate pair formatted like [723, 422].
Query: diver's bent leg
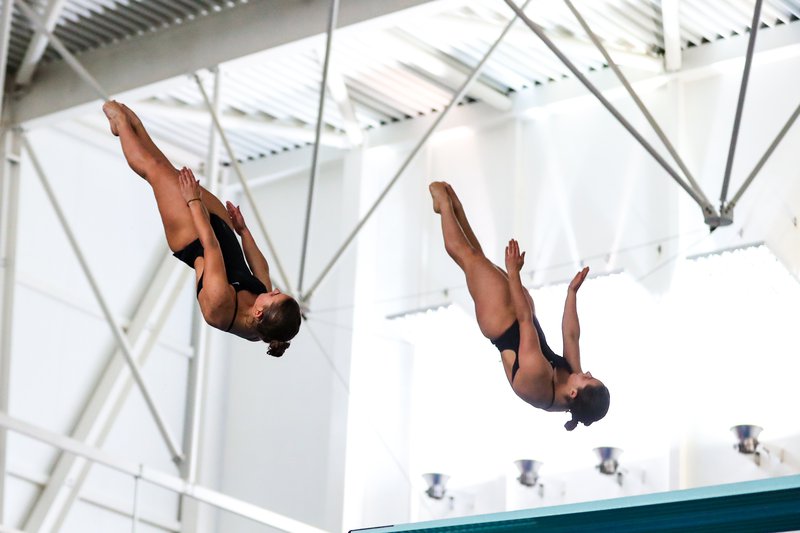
[487, 284]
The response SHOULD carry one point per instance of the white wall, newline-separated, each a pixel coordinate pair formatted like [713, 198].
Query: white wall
[684, 357]
[286, 418]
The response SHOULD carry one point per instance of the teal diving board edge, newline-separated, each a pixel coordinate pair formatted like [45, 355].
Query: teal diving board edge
[764, 505]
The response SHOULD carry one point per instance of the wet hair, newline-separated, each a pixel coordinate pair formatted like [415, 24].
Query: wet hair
[278, 325]
[590, 405]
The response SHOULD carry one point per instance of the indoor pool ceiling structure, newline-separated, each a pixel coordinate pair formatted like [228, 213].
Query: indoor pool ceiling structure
[262, 63]
[390, 61]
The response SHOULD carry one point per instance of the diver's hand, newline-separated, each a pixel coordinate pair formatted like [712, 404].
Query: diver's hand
[190, 187]
[514, 259]
[236, 218]
[577, 281]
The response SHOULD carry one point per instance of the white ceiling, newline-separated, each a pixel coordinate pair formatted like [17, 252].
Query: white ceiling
[408, 66]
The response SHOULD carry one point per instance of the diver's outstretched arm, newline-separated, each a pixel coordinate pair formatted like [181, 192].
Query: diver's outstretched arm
[523, 306]
[570, 327]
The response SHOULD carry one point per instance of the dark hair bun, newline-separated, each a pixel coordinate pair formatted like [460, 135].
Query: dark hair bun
[570, 425]
[276, 348]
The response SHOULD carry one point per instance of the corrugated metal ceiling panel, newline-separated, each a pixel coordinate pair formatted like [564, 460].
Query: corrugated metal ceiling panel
[394, 74]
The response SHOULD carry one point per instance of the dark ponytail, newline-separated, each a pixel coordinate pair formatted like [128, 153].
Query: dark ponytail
[276, 348]
[589, 406]
[278, 325]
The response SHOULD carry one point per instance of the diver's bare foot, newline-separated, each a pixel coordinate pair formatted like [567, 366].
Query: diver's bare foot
[453, 196]
[132, 117]
[439, 194]
[115, 114]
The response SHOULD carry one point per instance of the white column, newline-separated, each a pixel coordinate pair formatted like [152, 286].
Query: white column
[670, 20]
[9, 187]
[192, 516]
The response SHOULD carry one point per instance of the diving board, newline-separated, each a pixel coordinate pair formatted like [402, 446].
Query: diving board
[764, 505]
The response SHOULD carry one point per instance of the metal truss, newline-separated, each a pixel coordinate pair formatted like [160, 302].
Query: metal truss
[38, 44]
[259, 26]
[42, 27]
[154, 477]
[243, 181]
[305, 297]
[116, 329]
[9, 188]
[9, 193]
[713, 218]
[112, 389]
[333, 15]
[109, 393]
[535, 28]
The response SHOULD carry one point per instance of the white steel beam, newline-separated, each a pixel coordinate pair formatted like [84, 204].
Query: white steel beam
[332, 17]
[191, 513]
[65, 54]
[201, 339]
[145, 346]
[775, 44]
[444, 71]
[248, 194]
[213, 157]
[9, 187]
[122, 340]
[337, 88]
[521, 37]
[737, 120]
[623, 25]
[259, 26]
[109, 395]
[671, 25]
[93, 130]
[708, 209]
[603, 100]
[96, 498]
[38, 44]
[190, 469]
[166, 481]
[457, 97]
[728, 209]
[233, 121]
[779, 42]
[266, 170]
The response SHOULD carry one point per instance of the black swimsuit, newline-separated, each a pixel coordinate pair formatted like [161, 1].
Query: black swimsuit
[236, 269]
[509, 340]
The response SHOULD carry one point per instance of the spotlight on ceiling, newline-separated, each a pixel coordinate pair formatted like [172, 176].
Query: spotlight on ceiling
[748, 444]
[747, 436]
[609, 463]
[436, 484]
[528, 471]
